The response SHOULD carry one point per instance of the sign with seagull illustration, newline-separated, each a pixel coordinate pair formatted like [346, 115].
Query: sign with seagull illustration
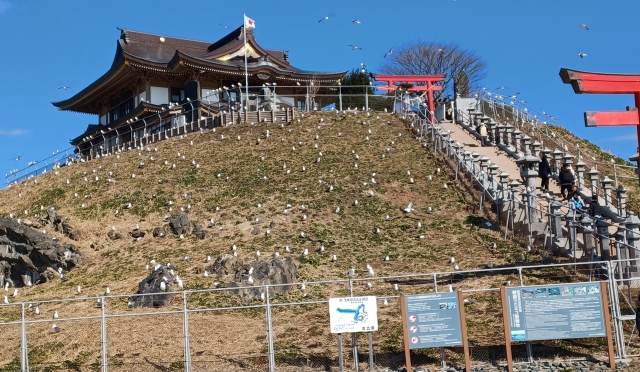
[353, 314]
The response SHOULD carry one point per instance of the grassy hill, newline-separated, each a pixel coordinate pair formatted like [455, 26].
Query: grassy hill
[236, 175]
[242, 173]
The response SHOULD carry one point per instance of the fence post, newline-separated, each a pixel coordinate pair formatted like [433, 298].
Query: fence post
[340, 357]
[24, 352]
[366, 98]
[272, 357]
[185, 330]
[103, 335]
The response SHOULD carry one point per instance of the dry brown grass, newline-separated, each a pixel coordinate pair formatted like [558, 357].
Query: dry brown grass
[452, 230]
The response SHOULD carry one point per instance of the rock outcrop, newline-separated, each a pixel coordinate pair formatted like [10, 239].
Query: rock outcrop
[180, 225]
[280, 272]
[150, 293]
[26, 255]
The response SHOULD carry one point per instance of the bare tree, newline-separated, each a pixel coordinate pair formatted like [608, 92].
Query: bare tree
[430, 58]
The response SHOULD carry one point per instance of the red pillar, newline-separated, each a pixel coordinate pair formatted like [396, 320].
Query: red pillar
[637, 99]
[430, 97]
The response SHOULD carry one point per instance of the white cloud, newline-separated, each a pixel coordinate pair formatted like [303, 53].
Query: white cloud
[4, 6]
[13, 133]
[624, 137]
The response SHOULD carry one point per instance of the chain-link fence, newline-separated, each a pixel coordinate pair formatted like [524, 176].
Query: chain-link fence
[213, 330]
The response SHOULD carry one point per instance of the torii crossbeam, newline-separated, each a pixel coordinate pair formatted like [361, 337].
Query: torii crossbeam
[604, 83]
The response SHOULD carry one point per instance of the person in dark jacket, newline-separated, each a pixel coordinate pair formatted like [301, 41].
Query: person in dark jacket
[544, 171]
[566, 179]
[595, 210]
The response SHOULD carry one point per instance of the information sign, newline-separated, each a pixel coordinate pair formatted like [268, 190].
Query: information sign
[353, 314]
[555, 312]
[433, 320]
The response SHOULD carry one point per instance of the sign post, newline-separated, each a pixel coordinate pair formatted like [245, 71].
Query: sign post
[352, 315]
[434, 320]
[552, 312]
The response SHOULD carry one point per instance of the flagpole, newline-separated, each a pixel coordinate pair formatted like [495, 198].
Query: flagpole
[246, 74]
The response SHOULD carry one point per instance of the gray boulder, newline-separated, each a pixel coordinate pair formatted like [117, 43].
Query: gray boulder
[137, 234]
[159, 232]
[280, 272]
[180, 225]
[149, 292]
[26, 254]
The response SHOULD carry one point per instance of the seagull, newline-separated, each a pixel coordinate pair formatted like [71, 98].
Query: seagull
[386, 303]
[456, 267]
[395, 287]
[163, 286]
[408, 208]
[250, 280]
[55, 315]
[6, 299]
[582, 55]
[354, 47]
[206, 273]
[65, 87]
[582, 25]
[37, 310]
[187, 259]
[334, 258]
[56, 328]
[356, 21]
[452, 260]
[351, 272]
[306, 252]
[324, 19]
[388, 53]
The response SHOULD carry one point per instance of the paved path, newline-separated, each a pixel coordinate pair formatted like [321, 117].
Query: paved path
[506, 163]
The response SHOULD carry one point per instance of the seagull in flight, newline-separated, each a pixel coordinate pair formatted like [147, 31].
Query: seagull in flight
[582, 55]
[18, 158]
[64, 87]
[388, 53]
[356, 21]
[582, 25]
[223, 25]
[354, 47]
[324, 19]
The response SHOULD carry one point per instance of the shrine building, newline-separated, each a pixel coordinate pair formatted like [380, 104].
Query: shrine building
[158, 82]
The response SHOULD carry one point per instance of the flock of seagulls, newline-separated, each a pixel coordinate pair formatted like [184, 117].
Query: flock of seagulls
[370, 182]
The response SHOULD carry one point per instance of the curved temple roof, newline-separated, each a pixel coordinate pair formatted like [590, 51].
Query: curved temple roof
[176, 56]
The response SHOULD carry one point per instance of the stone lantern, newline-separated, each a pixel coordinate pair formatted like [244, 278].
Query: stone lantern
[580, 168]
[607, 185]
[529, 162]
[621, 194]
[593, 178]
[557, 157]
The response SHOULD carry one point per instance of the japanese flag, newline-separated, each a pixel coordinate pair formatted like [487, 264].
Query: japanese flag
[248, 22]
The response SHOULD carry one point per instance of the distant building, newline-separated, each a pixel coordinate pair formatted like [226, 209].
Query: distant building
[158, 82]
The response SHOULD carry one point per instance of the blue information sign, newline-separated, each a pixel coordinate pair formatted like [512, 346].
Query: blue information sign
[433, 320]
[554, 312]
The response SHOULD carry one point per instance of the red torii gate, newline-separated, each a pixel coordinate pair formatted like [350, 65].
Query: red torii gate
[429, 86]
[604, 83]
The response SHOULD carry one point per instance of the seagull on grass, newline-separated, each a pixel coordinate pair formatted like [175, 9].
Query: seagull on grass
[56, 329]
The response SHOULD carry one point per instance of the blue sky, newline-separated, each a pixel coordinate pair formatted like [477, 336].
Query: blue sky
[47, 44]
